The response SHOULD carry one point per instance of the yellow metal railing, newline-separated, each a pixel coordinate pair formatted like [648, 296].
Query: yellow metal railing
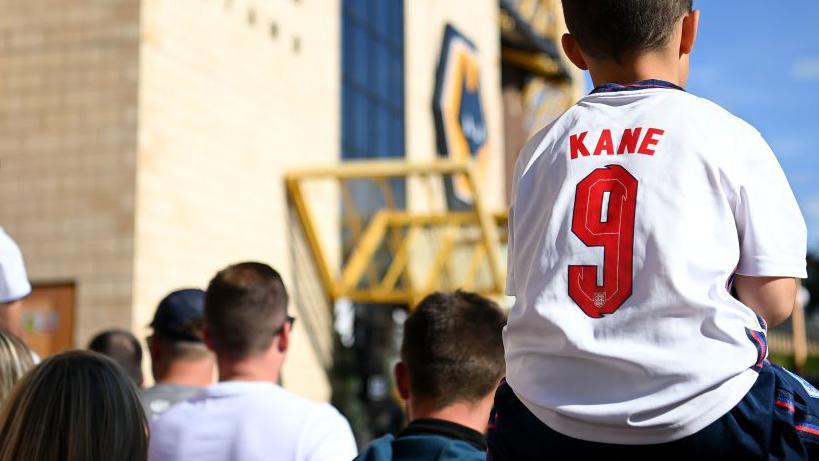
[397, 254]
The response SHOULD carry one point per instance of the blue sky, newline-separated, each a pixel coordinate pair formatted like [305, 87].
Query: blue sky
[760, 60]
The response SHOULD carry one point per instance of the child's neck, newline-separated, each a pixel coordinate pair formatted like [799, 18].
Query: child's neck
[650, 66]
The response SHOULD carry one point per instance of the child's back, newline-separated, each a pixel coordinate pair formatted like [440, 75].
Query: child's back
[631, 216]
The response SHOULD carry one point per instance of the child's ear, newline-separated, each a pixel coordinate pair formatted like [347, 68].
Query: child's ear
[573, 51]
[691, 25]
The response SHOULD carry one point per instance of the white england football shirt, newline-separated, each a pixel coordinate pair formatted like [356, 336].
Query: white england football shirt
[629, 215]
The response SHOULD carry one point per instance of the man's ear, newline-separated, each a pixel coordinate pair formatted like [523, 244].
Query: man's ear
[402, 380]
[154, 348]
[206, 338]
[690, 28]
[284, 338]
[572, 50]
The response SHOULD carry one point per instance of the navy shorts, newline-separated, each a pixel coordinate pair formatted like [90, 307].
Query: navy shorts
[777, 420]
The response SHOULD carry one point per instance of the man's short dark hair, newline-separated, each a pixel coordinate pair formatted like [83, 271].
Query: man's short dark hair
[619, 29]
[453, 348]
[245, 305]
[124, 348]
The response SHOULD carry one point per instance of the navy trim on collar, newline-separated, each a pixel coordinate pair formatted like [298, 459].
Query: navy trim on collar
[641, 85]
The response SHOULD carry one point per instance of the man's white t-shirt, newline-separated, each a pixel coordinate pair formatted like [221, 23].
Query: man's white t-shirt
[629, 215]
[249, 421]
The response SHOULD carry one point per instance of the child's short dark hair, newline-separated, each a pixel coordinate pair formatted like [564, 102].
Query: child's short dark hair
[618, 29]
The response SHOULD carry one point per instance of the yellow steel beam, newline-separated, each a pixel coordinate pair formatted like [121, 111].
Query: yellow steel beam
[399, 262]
[406, 297]
[381, 168]
[352, 217]
[474, 265]
[380, 297]
[395, 239]
[363, 252]
[296, 197]
[537, 63]
[441, 259]
[373, 236]
[489, 233]
[408, 218]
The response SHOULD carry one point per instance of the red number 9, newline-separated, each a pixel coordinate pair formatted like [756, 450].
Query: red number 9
[604, 208]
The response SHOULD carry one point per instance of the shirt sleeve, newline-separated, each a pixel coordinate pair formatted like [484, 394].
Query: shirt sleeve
[771, 230]
[328, 437]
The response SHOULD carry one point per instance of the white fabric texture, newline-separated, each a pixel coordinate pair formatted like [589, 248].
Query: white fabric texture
[14, 284]
[711, 200]
[249, 421]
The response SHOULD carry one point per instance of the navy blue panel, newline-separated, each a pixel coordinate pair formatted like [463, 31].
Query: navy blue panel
[372, 79]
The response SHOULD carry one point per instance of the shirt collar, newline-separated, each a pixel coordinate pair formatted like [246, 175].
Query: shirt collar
[429, 426]
[641, 85]
[232, 388]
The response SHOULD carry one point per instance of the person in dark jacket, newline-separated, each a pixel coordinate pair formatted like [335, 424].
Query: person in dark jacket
[451, 363]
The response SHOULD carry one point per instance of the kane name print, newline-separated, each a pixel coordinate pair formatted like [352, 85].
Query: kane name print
[630, 141]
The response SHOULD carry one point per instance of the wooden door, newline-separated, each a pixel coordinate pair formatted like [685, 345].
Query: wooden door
[48, 319]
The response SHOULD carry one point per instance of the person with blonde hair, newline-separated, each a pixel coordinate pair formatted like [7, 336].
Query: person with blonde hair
[74, 406]
[15, 360]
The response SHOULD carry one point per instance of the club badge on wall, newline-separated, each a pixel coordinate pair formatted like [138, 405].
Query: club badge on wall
[459, 117]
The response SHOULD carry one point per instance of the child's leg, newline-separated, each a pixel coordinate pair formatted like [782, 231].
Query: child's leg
[515, 434]
[778, 419]
[795, 416]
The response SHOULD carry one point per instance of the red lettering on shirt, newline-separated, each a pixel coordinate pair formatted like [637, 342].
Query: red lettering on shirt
[628, 143]
[650, 141]
[605, 144]
[639, 140]
[577, 145]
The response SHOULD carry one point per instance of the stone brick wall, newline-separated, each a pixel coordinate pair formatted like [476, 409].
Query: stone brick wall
[232, 95]
[143, 142]
[68, 114]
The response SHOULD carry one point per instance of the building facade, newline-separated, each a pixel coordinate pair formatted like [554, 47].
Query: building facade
[144, 143]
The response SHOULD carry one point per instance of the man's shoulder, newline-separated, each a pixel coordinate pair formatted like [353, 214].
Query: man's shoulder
[165, 390]
[420, 447]
[378, 450]
[160, 398]
[248, 413]
[256, 402]
[308, 408]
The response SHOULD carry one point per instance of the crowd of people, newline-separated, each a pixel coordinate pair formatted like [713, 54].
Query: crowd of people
[636, 350]
[216, 357]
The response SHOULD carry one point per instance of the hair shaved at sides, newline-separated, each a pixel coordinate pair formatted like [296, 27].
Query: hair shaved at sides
[453, 348]
[75, 406]
[619, 29]
[245, 305]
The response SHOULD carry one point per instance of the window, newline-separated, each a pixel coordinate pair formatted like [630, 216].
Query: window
[372, 79]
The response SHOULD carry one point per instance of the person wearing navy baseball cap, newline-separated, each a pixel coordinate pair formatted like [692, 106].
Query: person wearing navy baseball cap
[180, 361]
[14, 284]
